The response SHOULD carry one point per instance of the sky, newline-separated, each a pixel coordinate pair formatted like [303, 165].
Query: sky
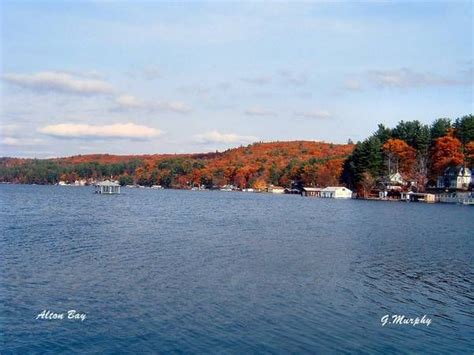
[146, 77]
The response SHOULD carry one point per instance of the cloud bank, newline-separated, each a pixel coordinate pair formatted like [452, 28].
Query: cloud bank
[317, 114]
[61, 82]
[85, 131]
[127, 102]
[257, 111]
[407, 78]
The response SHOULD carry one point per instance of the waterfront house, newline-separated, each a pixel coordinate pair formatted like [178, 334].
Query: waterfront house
[396, 178]
[336, 192]
[311, 191]
[455, 177]
[393, 181]
[107, 187]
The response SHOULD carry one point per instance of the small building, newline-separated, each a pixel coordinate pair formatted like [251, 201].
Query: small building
[336, 192]
[418, 197]
[311, 191]
[455, 177]
[107, 187]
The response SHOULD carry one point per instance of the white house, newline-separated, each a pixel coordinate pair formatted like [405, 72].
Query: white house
[396, 178]
[455, 177]
[336, 192]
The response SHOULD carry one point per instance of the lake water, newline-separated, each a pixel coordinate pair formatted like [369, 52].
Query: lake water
[223, 272]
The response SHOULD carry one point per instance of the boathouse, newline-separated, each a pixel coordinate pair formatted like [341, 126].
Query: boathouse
[418, 197]
[336, 192]
[311, 191]
[107, 187]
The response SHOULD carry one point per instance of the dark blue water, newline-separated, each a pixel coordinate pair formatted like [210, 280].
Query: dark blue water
[190, 271]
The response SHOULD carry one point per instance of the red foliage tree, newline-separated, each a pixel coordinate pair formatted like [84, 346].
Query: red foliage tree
[446, 152]
[400, 156]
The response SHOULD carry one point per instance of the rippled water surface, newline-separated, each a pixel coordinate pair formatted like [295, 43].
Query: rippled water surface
[192, 271]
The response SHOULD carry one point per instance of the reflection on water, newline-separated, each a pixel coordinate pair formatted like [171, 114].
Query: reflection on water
[197, 271]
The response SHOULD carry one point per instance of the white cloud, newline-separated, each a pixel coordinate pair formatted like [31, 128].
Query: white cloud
[151, 73]
[258, 111]
[129, 101]
[62, 82]
[116, 130]
[10, 141]
[20, 142]
[195, 89]
[223, 138]
[317, 114]
[293, 78]
[9, 129]
[259, 80]
[132, 102]
[407, 78]
[352, 84]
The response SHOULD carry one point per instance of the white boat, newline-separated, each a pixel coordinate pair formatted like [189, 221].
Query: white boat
[228, 188]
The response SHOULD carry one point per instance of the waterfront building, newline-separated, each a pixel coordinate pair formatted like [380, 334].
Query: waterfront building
[418, 197]
[311, 191]
[107, 187]
[455, 177]
[336, 192]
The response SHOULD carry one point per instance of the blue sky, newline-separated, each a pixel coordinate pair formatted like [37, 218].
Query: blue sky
[159, 77]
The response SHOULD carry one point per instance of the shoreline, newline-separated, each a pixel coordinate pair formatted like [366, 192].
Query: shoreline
[453, 201]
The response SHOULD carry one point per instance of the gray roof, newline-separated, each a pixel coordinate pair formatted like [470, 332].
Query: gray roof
[107, 183]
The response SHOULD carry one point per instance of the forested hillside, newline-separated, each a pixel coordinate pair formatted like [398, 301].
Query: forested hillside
[256, 165]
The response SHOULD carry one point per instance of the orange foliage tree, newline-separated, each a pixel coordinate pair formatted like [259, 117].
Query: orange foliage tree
[469, 151]
[400, 156]
[259, 184]
[446, 152]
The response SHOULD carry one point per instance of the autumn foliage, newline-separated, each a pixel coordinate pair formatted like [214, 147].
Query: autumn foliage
[401, 156]
[446, 152]
[257, 165]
